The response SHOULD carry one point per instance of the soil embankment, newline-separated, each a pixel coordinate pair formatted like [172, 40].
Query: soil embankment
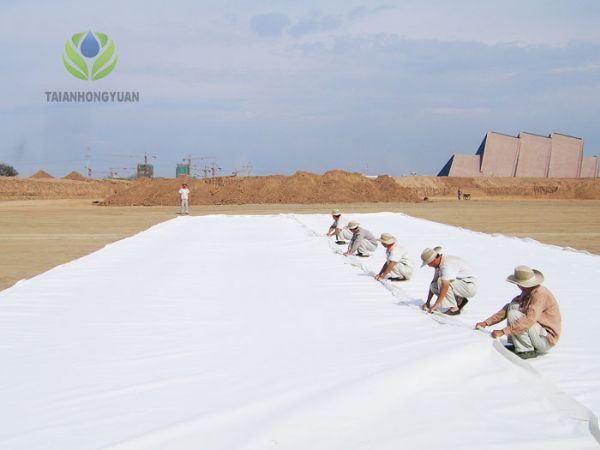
[16, 188]
[334, 186]
[337, 186]
[503, 187]
[74, 176]
[41, 174]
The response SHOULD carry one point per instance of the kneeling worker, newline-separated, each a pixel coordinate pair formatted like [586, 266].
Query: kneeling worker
[533, 317]
[363, 242]
[398, 262]
[337, 229]
[453, 282]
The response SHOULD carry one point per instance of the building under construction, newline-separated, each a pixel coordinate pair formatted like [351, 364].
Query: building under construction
[527, 155]
[145, 171]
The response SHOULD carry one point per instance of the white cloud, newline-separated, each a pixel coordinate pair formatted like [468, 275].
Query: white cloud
[324, 76]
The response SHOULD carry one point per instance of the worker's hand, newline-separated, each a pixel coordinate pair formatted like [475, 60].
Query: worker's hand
[433, 308]
[346, 253]
[379, 277]
[497, 333]
[480, 325]
[425, 306]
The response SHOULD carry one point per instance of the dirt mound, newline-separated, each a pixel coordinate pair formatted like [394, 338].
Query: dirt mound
[41, 174]
[302, 187]
[16, 188]
[335, 186]
[75, 176]
[504, 187]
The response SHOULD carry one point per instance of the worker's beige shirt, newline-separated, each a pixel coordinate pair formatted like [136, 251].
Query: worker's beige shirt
[539, 306]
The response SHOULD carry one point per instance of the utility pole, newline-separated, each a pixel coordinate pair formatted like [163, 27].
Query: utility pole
[204, 169]
[88, 168]
[113, 172]
[213, 170]
[146, 156]
[245, 169]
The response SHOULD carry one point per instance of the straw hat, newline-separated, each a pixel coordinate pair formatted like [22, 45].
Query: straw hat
[336, 212]
[429, 255]
[352, 225]
[387, 238]
[526, 277]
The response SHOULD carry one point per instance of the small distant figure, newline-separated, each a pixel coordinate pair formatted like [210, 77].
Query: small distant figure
[466, 196]
[453, 282]
[533, 317]
[342, 234]
[459, 193]
[398, 263]
[363, 242]
[184, 193]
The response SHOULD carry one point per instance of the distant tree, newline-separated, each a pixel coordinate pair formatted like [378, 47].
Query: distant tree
[7, 171]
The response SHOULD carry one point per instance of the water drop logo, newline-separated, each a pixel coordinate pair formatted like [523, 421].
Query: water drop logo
[90, 56]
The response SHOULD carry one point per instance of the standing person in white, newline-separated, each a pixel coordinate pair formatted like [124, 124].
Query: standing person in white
[453, 282]
[184, 193]
[337, 228]
[398, 263]
[363, 242]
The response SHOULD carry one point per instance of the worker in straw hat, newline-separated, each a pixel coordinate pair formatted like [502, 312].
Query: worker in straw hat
[363, 242]
[398, 263]
[453, 282]
[533, 317]
[342, 234]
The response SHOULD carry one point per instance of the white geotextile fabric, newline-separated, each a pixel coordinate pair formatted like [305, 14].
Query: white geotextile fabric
[250, 332]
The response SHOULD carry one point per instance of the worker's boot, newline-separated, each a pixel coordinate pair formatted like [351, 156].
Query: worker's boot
[526, 355]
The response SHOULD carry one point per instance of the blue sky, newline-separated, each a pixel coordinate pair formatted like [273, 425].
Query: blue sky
[390, 87]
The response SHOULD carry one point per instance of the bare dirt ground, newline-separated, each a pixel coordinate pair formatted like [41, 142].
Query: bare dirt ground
[344, 187]
[507, 188]
[36, 235]
[335, 186]
[44, 187]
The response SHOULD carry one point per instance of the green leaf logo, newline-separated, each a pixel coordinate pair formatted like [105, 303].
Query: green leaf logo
[91, 48]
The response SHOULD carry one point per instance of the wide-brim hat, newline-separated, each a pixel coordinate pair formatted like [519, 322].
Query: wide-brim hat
[336, 212]
[525, 276]
[352, 225]
[387, 238]
[428, 255]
